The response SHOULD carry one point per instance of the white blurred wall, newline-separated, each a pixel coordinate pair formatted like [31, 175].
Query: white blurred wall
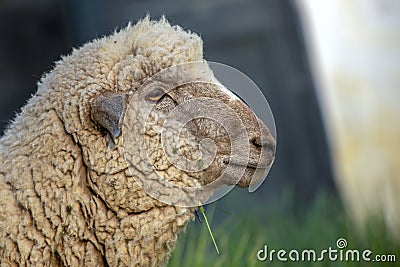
[354, 46]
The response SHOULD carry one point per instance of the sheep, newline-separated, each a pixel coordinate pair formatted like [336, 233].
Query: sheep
[69, 188]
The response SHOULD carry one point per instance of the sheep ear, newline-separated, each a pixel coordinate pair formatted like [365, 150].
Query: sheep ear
[108, 110]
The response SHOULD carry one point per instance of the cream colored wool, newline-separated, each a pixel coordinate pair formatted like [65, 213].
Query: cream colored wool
[45, 205]
[64, 192]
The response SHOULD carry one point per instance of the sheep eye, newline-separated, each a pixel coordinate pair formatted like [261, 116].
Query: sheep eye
[155, 95]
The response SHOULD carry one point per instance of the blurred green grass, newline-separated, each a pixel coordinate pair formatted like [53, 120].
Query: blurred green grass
[289, 226]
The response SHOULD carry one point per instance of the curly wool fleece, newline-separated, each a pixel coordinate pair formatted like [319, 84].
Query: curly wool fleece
[62, 191]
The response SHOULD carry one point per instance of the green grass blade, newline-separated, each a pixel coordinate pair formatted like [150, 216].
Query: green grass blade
[209, 228]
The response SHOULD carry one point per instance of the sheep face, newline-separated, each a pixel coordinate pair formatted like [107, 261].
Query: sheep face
[216, 120]
[183, 135]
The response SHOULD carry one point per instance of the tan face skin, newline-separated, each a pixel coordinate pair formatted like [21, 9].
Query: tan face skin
[259, 141]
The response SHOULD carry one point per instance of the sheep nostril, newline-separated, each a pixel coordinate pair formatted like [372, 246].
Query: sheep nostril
[264, 143]
[258, 142]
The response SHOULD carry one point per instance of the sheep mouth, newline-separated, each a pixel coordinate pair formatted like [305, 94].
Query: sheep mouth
[252, 171]
[249, 163]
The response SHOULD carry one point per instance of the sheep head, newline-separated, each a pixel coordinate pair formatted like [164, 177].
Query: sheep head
[137, 120]
[183, 134]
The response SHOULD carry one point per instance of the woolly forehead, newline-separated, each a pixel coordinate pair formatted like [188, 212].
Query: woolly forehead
[147, 48]
[168, 45]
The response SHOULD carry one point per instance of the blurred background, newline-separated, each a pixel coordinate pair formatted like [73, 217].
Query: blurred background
[330, 71]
